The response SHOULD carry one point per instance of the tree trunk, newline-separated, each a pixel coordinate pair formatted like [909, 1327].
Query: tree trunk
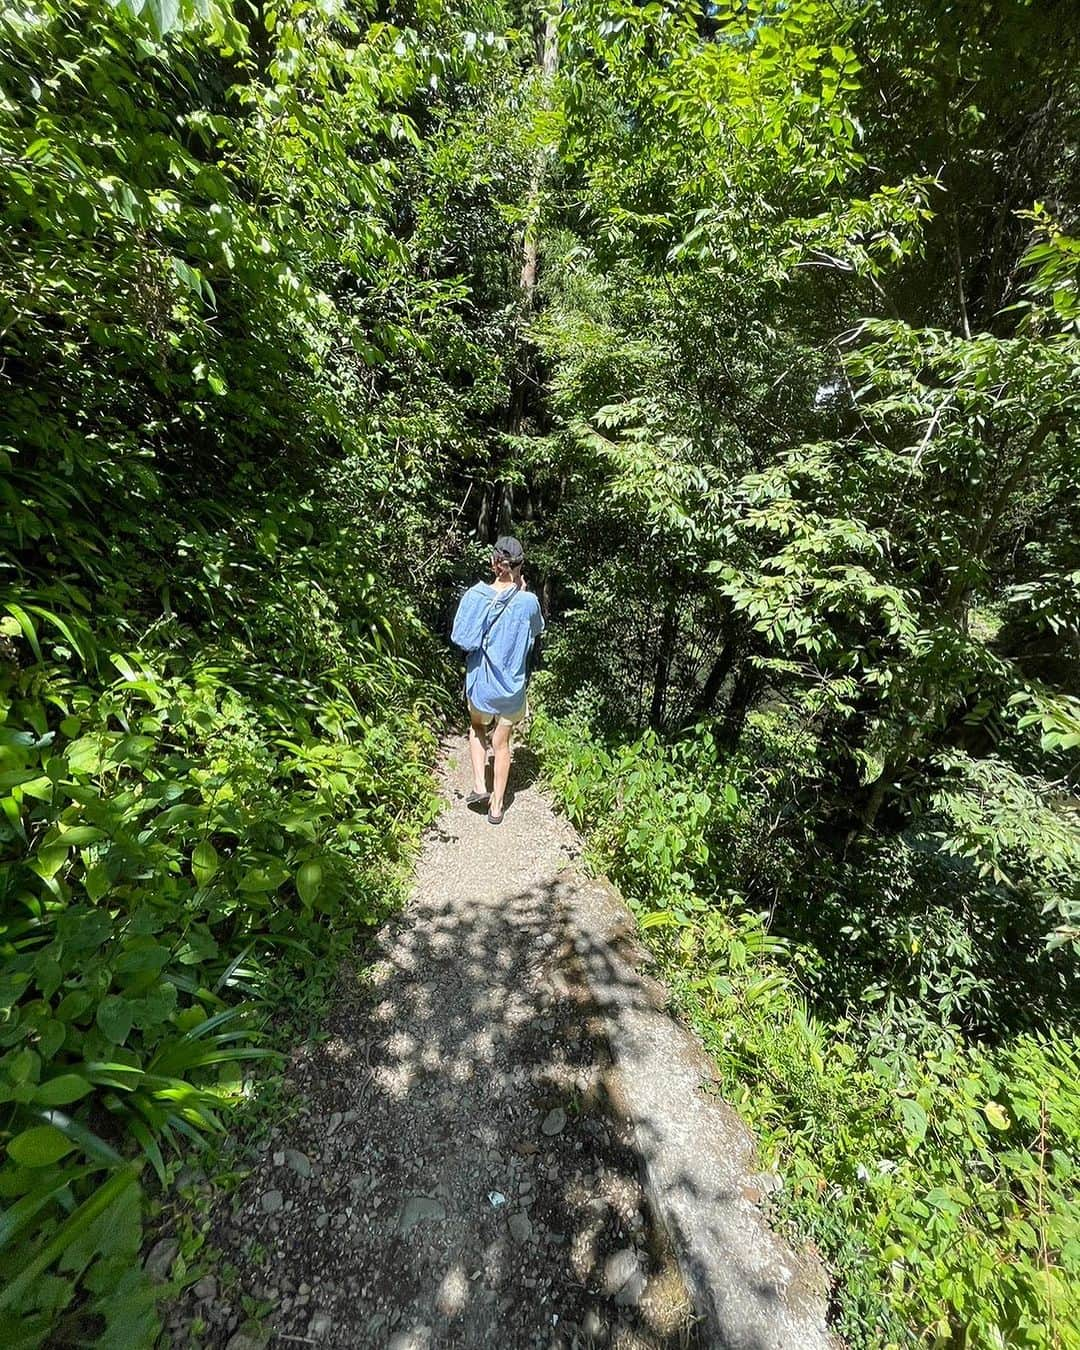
[668, 631]
[548, 63]
[732, 637]
[522, 369]
[714, 681]
[506, 508]
[483, 514]
[747, 683]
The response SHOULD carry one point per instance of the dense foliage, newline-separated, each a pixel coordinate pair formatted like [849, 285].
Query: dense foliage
[808, 473]
[239, 350]
[760, 323]
[908, 1072]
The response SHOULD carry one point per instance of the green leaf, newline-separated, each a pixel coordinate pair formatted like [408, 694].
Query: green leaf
[50, 859]
[39, 1146]
[658, 918]
[79, 835]
[96, 882]
[996, 1114]
[73, 1005]
[915, 1122]
[18, 1215]
[115, 1017]
[131, 749]
[68, 1233]
[79, 648]
[309, 882]
[204, 862]
[51, 1036]
[28, 629]
[62, 1090]
[263, 879]
[83, 1138]
[85, 754]
[141, 955]
[164, 15]
[48, 973]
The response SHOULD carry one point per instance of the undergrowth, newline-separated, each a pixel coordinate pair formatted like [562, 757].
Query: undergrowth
[231, 388]
[923, 1114]
[191, 846]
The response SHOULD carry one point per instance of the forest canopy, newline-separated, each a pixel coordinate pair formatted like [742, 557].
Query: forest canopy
[759, 323]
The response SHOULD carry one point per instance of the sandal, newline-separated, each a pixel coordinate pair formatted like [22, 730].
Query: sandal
[495, 820]
[477, 798]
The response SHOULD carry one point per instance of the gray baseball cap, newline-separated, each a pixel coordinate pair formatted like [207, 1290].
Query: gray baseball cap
[509, 549]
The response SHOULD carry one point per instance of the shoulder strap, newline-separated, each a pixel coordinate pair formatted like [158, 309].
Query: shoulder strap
[501, 608]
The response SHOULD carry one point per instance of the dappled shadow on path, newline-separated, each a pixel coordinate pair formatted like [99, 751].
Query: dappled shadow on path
[752, 1290]
[458, 1174]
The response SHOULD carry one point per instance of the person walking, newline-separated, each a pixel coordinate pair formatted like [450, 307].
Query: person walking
[496, 624]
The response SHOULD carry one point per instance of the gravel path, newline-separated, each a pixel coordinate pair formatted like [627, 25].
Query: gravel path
[457, 1175]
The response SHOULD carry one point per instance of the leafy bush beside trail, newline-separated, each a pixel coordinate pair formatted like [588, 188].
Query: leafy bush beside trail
[186, 841]
[918, 1094]
[237, 362]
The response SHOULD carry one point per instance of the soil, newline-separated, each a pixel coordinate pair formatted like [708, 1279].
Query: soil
[456, 1174]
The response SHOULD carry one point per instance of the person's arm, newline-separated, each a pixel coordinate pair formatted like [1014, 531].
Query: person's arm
[468, 623]
[536, 620]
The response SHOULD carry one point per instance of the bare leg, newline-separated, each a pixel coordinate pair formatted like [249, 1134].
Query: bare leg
[478, 755]
[500, 740]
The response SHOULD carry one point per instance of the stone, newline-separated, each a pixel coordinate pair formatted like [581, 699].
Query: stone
[520, 1227]
[554, 1121]
[159, 1261]
[769, 1183]
[618, 1268]
[206, 1288]
[453, 1292]
[629, 1296]
[271, 1202]
[418, 1209]
[242, 1340]
[279, 1159]
[592, 1325]
[299, 1162]
[319, 1327]
[417, 1338]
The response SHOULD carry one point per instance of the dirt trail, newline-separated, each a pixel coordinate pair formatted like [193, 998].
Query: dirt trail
[456, 1176]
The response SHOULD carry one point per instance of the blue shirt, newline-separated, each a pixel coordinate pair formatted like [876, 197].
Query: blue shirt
[496, 629]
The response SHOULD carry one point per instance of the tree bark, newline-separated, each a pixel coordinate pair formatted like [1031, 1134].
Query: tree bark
[548, 63]
[523, 367]
[483, 514]
[747, 683]
[714, 681]
[668, 631]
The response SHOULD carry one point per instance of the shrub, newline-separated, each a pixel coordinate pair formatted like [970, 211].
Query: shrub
[867, 1021]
